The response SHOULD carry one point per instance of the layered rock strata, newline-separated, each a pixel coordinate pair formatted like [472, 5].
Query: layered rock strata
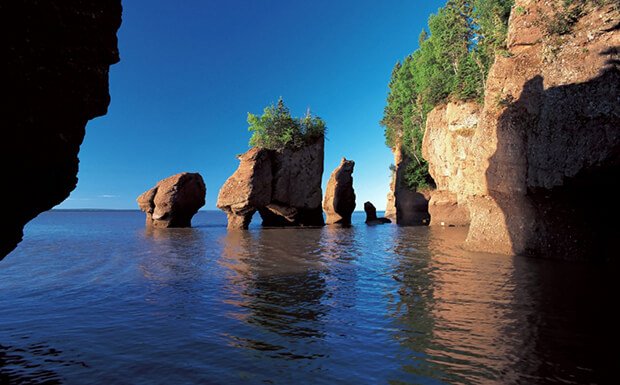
[173, 201]
[339, 201]
[283, 186]
[55, 79]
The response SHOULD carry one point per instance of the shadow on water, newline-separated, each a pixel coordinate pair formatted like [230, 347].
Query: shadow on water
[471, 318]
[277, 284]
[32, 364]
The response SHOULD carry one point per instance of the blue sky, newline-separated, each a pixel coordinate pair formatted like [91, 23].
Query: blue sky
[191, 70]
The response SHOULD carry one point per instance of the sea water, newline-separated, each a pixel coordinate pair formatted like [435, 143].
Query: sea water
[92, 297]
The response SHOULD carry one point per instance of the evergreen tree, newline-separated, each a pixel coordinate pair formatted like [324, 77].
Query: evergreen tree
[276, 129]
[451, 63]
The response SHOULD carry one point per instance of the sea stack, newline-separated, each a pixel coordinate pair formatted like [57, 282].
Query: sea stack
[371, 215]
[284, 186]
[57, 54]
[339, 202]
[408, 207]
[173, 201]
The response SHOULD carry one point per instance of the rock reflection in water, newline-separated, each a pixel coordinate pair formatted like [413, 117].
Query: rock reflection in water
[474, 317]
[277, 284]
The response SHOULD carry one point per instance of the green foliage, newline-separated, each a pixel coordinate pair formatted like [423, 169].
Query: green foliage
[451, 63]
[276, 129]
[417, 176]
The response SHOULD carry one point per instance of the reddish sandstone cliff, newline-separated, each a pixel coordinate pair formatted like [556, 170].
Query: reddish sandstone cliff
[543, 163]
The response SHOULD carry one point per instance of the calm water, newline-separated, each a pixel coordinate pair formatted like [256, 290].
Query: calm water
[94, 298]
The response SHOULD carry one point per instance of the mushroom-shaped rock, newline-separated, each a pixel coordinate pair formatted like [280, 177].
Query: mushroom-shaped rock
[371, 215]
[173, 201]
[339, 201]
[247, 189]
[284, 186]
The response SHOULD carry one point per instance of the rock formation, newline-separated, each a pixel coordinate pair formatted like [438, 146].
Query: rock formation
[55, 78]
[542, 174]
[283, 186]
[371, 215]
[339, 202]
[173, 201]
[446, 147]
[406, 206]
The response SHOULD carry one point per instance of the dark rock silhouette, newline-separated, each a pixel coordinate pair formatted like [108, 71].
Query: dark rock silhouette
[406, 206]
[339, 201]
[173, 201]
[283, 186]
[371, 215]
[55, 77]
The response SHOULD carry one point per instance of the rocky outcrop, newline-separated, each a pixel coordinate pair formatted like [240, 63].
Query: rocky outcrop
[339, 202]
[390, 207]
[446, 146]
[54, 78]
[283, 186]
[406, 206]
[371, 215]
[544, 166]
[173, 201]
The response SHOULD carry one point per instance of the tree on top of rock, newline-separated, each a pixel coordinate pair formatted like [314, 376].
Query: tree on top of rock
[276, 129]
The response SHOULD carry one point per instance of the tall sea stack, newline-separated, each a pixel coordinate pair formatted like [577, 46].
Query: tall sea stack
[284, 186]
[339, 202]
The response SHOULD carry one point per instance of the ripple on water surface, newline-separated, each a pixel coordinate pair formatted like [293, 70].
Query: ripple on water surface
[93, 297]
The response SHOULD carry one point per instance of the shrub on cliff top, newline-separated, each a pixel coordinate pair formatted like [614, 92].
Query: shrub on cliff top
[276, 129]
[451, 63]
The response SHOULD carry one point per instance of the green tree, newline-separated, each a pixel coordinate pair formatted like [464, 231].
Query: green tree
[276, 129]
[451, 63]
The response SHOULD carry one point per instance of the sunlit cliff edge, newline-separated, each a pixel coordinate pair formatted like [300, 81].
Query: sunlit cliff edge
[535, 169]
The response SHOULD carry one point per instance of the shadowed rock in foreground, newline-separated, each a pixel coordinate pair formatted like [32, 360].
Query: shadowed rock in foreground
[339, 202]
[371, 215]
[283, 186]
[405, 206]
[57, 54]
[173, 201]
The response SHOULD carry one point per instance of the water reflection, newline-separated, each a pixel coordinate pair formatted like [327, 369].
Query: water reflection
[276, 283]
[172, 262]
[363, 305]
[475, 318]
[30, 364]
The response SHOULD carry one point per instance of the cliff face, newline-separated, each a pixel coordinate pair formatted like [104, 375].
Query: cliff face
[447, 146]
[544, 160]
[55, 79]
[405, 206]
[283, 186]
